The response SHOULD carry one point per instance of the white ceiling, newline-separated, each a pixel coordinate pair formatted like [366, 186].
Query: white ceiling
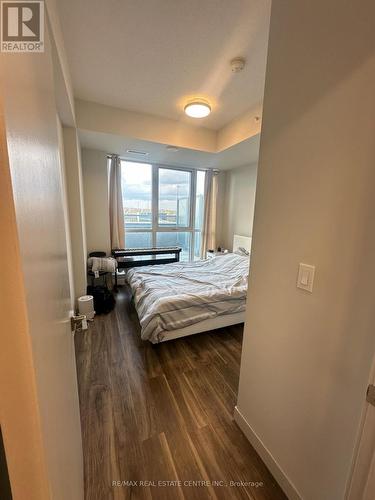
[243, 153]
[149, 55]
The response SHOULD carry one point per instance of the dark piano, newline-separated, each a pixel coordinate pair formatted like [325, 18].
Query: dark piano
[136, 257]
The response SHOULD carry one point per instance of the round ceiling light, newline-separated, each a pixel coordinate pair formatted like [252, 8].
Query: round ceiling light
[197, 109]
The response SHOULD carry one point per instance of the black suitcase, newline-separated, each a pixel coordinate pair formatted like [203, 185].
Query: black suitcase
[104, 301]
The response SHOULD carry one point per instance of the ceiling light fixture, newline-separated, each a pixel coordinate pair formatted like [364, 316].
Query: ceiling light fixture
[197, 108]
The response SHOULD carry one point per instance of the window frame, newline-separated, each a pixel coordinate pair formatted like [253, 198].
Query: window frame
[155, 226]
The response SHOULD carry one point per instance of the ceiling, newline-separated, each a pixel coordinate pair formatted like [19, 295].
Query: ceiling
[149, 56]
[243, 153]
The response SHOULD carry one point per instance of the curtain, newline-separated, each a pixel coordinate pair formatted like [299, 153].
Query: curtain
[208, 240]
[116, 209]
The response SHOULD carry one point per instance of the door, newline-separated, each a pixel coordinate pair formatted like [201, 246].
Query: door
[362, 484]
[27, 89]
[174, 211]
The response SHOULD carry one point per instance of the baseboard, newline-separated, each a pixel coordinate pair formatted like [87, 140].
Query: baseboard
[285, 483]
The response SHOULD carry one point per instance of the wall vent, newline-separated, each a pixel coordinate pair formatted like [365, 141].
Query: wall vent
[136, 152]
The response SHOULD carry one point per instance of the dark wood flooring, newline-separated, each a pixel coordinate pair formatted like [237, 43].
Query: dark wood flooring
[163, 412]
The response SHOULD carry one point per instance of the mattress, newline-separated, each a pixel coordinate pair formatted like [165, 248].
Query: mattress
[173, 296]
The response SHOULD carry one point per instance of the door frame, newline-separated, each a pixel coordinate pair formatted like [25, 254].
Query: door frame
[363, 467]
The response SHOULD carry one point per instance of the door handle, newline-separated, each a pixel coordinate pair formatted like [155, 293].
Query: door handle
[78, 323]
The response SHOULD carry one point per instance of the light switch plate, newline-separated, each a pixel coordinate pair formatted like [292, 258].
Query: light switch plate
[305, 278]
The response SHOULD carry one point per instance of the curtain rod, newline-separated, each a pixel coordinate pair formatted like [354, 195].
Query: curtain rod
[110, 155]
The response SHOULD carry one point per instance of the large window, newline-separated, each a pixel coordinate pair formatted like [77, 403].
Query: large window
[163, 206]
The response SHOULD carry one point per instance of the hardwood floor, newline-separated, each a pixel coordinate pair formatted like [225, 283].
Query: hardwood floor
[163, 412]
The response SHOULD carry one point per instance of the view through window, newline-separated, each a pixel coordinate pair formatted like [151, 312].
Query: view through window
[163, 206]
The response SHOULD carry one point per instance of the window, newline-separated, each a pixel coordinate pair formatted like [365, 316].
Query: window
[174, 197]
[163, 206]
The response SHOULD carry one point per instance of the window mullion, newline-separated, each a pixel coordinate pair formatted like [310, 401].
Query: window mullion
[193, 190]
[155, 202]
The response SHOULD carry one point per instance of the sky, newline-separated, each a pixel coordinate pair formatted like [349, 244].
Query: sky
[137, 185]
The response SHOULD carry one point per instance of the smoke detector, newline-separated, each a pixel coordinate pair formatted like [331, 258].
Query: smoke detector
[237, 64]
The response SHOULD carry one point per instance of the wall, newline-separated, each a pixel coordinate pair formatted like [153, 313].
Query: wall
[95, 117]
[95, 186]
[306, 357]
[240, 128]
[69, 253]
[107, 119]
[63, 83]
[39, 395]
[77, 223]
[238, 200]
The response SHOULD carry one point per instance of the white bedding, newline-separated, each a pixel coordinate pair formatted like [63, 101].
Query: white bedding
[173, 296]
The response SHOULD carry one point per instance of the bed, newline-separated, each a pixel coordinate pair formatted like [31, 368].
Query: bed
[176, 300]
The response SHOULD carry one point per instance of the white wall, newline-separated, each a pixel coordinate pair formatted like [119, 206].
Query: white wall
[306, 357]
[238, 201]
[120, 122]
[95, 186]
[65, 197]
[74, 190]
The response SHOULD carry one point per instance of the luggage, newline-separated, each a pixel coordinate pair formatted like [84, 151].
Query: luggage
[104, 300]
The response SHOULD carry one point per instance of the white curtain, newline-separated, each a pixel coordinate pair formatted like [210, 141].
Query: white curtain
[116, 209]
[208, 241]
